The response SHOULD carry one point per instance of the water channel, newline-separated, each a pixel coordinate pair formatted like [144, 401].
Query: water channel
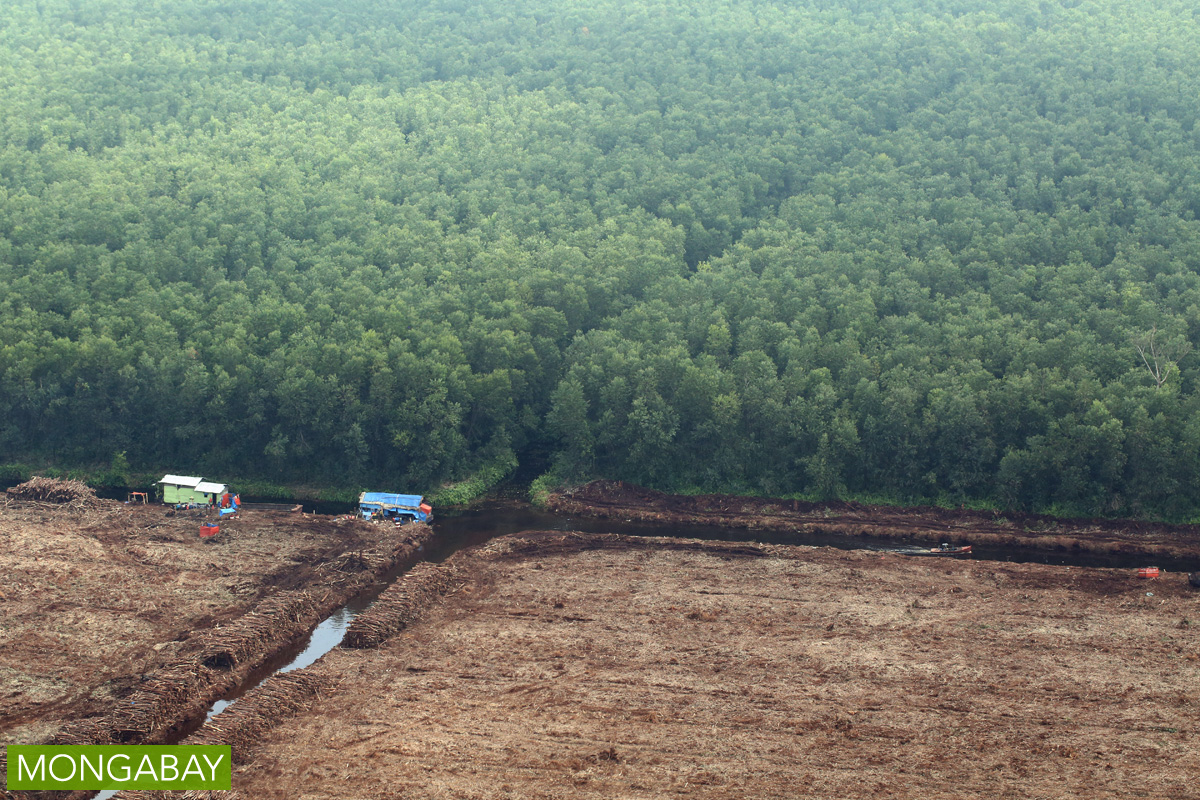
[456, 531]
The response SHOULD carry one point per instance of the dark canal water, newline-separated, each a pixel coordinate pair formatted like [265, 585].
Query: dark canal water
[489, 520]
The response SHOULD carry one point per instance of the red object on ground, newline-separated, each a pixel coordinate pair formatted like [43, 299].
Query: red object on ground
[1147, 572]
[209, 530]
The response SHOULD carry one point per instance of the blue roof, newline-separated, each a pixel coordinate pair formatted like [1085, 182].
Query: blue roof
[386, 500]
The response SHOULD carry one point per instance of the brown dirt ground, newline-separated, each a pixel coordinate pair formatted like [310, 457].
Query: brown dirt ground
[593, 666]
[93, 599]
[624, 501]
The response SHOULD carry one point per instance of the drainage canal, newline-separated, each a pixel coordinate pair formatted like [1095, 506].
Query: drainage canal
[490, 520]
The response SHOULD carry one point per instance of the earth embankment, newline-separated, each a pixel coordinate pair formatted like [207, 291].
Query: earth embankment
[617, 500]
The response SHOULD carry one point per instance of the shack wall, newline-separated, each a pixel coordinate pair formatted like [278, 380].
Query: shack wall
[182, 494]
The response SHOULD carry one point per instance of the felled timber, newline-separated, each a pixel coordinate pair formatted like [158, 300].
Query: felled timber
[401, 604]
[270, 625]
[74, 494]
[243, 724]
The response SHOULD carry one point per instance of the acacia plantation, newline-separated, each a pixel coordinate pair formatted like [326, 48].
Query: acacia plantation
[916, 250]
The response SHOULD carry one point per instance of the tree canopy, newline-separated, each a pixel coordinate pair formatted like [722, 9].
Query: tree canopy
[911, 250]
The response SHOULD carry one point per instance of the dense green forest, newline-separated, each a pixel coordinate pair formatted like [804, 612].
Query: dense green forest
[922, 249]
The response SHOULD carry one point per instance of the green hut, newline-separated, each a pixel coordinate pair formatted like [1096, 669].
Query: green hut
[186, 489]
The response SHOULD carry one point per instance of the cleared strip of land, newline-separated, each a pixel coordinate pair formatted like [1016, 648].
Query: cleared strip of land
[582, 666]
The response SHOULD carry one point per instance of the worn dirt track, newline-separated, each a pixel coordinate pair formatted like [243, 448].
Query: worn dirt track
[602, 666]
[623, 501]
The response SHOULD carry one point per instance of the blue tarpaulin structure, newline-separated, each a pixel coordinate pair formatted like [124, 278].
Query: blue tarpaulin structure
[394, 506]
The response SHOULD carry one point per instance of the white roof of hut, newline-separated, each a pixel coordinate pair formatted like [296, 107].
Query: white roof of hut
[182, 480]
[210, 488]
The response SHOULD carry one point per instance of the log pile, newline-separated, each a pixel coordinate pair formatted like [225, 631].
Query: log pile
[365, 560]
[163, 698]
[243, 724]
[168, 695]
[402, 603]
[395, 549]
[90, 730]
[270, 624]
[53, 490]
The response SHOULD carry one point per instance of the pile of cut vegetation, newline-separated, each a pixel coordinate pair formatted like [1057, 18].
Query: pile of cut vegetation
[53, 490]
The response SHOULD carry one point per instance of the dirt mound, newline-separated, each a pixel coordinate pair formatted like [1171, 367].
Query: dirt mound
[53, 490]
[537, 543]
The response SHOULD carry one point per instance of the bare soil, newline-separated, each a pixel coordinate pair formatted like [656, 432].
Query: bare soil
[602, 666]
[623, 501]
[96, 600]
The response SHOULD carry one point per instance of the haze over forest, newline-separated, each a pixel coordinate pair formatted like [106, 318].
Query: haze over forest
[922, 249]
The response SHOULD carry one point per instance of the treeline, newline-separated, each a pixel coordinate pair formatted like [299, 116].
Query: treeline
[936, 249]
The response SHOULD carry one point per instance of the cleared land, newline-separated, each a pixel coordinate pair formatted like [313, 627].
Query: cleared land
[582, 666]
[618, 500]
[99, 599]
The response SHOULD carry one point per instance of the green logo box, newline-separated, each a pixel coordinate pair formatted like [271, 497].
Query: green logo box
[143, 766]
